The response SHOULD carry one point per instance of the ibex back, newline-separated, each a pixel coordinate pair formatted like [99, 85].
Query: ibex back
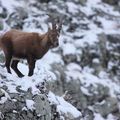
[31, 46]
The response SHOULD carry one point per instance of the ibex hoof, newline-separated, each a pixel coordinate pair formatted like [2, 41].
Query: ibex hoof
[21, 76]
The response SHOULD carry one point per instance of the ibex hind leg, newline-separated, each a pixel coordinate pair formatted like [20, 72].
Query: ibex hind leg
[7, 63]
[8, 58]
[14, 67]
[31, 63]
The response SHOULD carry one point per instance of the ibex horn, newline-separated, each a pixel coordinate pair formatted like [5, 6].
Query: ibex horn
[60, 25]
[53, 21]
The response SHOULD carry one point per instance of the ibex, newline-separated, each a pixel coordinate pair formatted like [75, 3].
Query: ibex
[18, 45]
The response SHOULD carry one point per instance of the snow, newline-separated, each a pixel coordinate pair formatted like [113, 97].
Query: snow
[50, 58]
[95, 60]
[5, 97]
[98, 117]
[69, 49]
[85, 91]
[30, 104]
[10, 5]
[24, 83]
[63, 107]
[72, 8]
[74, 66]
[109, 117]
[87, 79]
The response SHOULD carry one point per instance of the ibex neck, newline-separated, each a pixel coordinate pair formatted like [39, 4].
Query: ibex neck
[44, 45]
[44, 40]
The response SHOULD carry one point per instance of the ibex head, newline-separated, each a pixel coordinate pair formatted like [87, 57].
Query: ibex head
[54, 33]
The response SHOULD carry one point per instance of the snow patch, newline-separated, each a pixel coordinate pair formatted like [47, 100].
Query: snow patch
[63, 107]
[30, 104]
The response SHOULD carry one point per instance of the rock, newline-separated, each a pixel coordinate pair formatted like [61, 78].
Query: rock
[113, 45]
[107, 106]
[8, 106]
[82, 2]
[2, 94]
[1, 28]
[113, 38]
[57, 86]
[70, 58]
[16, 19]
[16, 107]
[3, 11]
[44, 1]
[98, 93]
[69, 53]
[87, 56]
[72, 27]
[88, 114]
[55, 113]
[96, 66]
[77, 97]
[42, 106]
[72, 87]
[111, 2]
[104, 58]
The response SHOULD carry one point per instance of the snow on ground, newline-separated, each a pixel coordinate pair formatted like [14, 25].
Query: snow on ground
[68, 49]
[10, 5]
[99, 117]
[63, 107]
[87, 78]
[26, 82]
[30, 104]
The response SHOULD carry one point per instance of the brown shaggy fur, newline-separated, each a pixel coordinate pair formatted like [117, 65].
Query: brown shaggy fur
[31, 46]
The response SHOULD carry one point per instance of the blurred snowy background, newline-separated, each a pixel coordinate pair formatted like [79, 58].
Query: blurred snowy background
[79, 80]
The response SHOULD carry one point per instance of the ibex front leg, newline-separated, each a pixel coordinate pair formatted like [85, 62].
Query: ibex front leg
[31, 63]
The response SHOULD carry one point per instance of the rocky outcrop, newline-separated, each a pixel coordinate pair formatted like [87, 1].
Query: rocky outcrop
[24, 106]
[110, 48]
[109, 105]
[16, 19]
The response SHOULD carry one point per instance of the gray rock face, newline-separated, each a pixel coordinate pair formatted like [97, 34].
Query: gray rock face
[82, 2]
[44, 1]
[78, 100]
[88, 114]
[110, 53]
[110, 105]
[17, 107]
[3, 11]
[111, 2]
[46, 109]
[1, 93]
[16, 19]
